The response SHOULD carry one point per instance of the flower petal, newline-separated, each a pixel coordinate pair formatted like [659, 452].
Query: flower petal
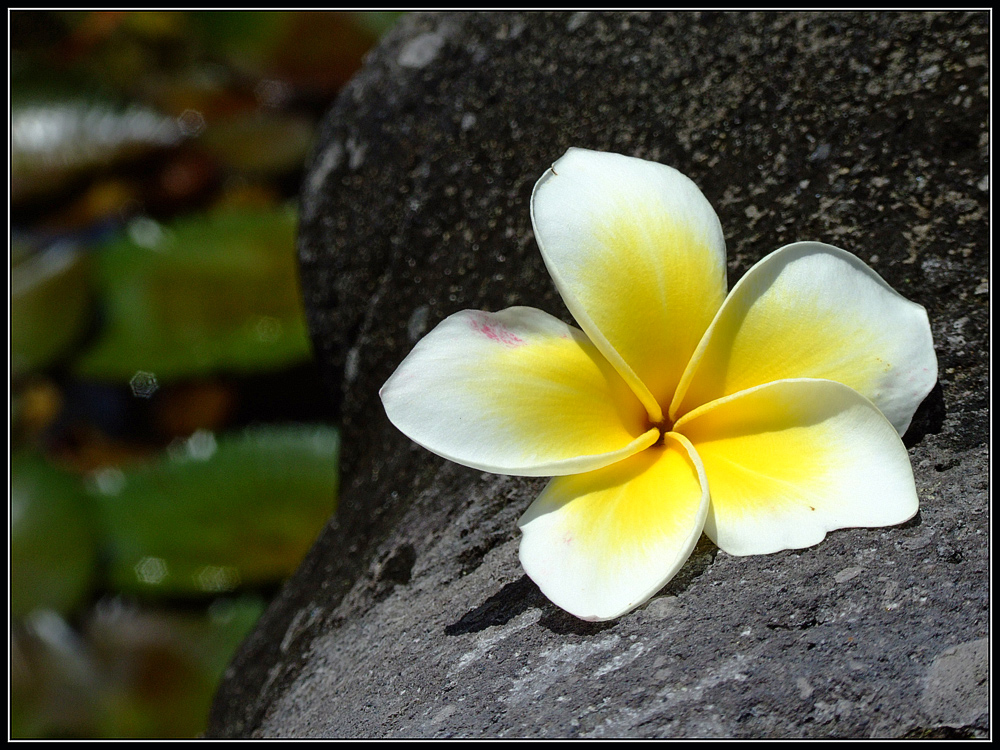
[789, 461]
[811, 310]
[602, 543]
[515, 392]
[633, 247]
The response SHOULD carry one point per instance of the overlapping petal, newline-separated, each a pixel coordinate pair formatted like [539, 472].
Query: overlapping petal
[811, 310]
[515, 392]
[600, 544]
[638, 255]
[791, 460]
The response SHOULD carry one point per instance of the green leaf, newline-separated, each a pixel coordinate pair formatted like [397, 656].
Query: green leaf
[201, 295]
[50, 305]
[216, 514]
[52, 548]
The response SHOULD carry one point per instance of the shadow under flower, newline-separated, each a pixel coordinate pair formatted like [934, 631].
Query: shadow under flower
[523, 594]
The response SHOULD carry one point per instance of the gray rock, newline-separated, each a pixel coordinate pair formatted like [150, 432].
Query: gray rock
[411, 616]
[957, 692]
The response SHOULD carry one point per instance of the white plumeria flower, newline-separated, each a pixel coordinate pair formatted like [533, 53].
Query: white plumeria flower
[764, 418]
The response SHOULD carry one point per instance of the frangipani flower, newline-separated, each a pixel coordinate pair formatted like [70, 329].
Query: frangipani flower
[764, 418]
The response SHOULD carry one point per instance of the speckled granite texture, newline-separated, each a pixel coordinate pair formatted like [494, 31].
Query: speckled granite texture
[411, 616]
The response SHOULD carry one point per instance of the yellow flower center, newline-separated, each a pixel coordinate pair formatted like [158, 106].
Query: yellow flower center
[665, 425]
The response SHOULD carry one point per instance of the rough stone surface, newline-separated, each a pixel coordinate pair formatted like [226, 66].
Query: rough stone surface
[411, 616]
[957, 690]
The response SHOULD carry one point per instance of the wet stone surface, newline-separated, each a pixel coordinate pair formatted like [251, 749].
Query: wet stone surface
[411, 616]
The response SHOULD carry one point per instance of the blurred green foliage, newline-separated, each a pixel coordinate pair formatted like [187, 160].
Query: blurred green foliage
[203, 520]
[162, 479]
[199, 295]
[50, 304]
[211, 516]
[53, 544]
[126, 672]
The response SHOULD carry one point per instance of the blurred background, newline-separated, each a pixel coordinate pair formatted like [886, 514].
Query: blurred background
[173, 452]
